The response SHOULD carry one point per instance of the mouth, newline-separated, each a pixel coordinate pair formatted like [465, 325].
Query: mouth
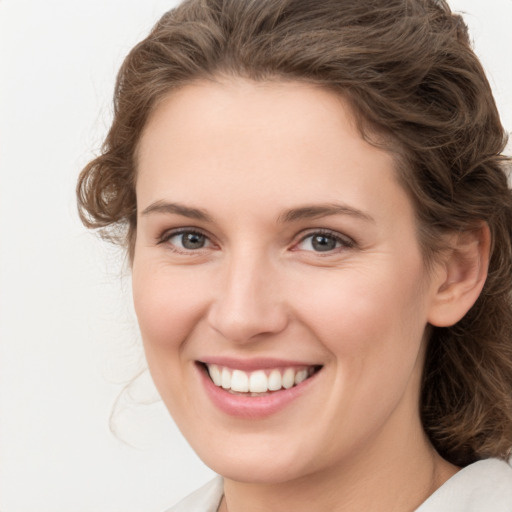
[257, 383]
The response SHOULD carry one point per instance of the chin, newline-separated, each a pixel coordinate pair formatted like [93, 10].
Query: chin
[268, 471]
[257, 461]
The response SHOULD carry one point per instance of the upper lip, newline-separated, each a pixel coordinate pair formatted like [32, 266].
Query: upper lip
[252, 364]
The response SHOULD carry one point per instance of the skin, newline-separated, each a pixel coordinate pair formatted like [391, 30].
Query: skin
[244, 154]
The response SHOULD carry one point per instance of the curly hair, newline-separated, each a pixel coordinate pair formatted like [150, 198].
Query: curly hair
[416, 87]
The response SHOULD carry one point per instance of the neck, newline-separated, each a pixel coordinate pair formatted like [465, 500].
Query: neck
[384, 479]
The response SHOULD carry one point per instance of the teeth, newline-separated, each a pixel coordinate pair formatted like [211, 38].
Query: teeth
[301, 376]
[258, 381]
[275, 380]
[239, 381]
[216, 375]
[225, 381]
[288, 378]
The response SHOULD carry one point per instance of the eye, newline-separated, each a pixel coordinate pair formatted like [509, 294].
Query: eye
[186, 240]
[323, 242]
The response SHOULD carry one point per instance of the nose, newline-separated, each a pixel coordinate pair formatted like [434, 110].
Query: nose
[248, 302]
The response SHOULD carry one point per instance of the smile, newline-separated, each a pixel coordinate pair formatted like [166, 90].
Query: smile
[257, 388]
[258, 382]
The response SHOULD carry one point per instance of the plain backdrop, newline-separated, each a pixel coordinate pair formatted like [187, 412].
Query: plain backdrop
[68, 337]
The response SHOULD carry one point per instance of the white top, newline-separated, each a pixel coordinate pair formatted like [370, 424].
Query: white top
[205, 499]
[485, 486]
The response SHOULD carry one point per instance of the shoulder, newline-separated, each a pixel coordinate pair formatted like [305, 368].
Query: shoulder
[484, 485]
[205, 499]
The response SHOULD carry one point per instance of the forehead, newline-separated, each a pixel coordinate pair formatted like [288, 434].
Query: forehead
[262, 111]
[252, 142]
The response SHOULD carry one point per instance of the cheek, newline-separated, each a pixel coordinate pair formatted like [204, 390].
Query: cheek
[357, 313]
[167, 304]
[373, 328]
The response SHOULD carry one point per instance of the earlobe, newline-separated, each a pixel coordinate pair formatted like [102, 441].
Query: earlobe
[461, 275]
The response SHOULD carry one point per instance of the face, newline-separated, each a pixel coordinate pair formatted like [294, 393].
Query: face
[277, 279]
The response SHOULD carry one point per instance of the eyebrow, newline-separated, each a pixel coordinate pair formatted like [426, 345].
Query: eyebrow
[178, 209]
[291, 215]
[322, 210]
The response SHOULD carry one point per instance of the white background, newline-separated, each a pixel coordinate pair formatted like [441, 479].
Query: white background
[68, 338]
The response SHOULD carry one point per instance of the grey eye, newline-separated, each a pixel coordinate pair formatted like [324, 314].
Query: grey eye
[192, 241]
[322, 243]
[188, 240]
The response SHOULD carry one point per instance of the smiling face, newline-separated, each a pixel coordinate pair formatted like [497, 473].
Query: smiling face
[278, 281]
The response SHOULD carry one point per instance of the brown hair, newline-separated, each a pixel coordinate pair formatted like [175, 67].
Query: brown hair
[408, 70]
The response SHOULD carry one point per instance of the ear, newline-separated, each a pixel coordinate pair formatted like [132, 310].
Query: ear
[460, 276]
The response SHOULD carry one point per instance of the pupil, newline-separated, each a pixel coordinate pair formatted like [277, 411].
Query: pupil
[192, 241]
[323, 243]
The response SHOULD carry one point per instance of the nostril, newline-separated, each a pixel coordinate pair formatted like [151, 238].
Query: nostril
[243, 324]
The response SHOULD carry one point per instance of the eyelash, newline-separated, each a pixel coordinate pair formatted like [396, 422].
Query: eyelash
[167, 235]
[342, 241]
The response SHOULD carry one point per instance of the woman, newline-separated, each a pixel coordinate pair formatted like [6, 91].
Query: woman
[319, 225]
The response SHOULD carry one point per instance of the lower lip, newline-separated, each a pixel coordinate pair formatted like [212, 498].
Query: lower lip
[252, 407]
